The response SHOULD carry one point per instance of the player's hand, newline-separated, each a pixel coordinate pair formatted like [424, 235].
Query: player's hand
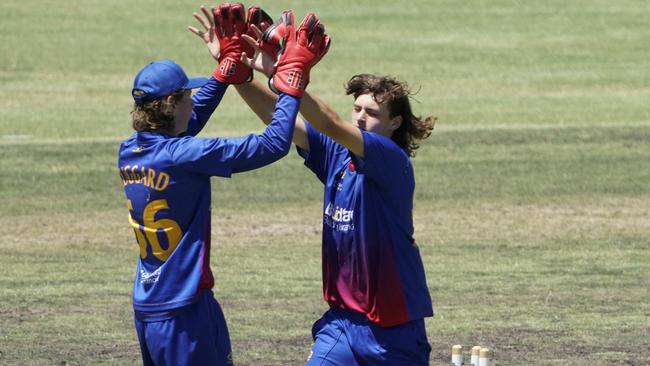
[267, 43]
[207, 35]
[302, 48]
[230, 25]
[273, 37]
[261, 60]
[257, 20]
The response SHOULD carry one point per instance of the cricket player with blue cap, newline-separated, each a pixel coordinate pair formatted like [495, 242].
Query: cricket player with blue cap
[161, 78]
[165, 170]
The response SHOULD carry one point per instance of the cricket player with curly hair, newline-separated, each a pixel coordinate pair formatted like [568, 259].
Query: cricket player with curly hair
[166, 170]
[373, 276]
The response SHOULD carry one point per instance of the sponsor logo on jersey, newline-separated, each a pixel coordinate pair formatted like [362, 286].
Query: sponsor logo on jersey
[338, 218]
[147, 278]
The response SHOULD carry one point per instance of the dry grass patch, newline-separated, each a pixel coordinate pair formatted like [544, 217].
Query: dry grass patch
[529, 222]
[69, 230]
[285, 224]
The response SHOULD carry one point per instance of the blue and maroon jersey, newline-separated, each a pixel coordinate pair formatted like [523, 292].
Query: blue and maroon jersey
[371, 264]
[167, 184]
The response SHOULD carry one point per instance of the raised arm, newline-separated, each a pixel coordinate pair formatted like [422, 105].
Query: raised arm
[207, 99]
[327, 121]
[255, 151]
[316, 111]
[261, 100]
[266, 47]
[223, 157]
[221, 33]
[223, 39]
[319, 114]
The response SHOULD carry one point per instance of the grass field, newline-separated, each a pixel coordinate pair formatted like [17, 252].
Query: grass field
[532, 206]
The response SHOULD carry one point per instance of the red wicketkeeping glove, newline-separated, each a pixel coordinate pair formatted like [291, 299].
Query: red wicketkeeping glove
[274, 35]
[258, 17]
[230, 24]
[301, 50]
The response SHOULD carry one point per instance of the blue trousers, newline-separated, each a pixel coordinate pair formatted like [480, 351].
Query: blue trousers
[196, 334]
[343, 338]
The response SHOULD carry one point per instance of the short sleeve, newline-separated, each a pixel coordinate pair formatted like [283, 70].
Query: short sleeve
[384, 161]
[323, 154]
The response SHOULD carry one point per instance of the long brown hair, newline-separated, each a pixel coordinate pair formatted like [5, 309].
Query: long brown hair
[157, 115]
[395, 94]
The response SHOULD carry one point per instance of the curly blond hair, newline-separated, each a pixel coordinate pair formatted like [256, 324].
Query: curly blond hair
[157, 115]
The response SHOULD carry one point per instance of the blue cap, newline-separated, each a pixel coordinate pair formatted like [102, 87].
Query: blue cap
[162, 78]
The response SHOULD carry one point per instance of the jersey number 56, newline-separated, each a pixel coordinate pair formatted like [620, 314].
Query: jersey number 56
[150, 227]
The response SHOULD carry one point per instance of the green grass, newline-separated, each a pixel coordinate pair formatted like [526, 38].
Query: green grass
[531, 205]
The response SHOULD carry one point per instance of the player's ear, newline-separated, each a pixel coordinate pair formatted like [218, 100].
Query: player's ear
[395, 122]
[169, 99]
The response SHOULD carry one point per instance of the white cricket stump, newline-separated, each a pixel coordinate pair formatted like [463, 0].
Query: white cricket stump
[474, 359]
[484, 357]
[457, 355]
[480, 356]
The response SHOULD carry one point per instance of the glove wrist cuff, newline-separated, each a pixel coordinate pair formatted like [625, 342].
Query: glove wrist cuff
[292, 81]
[232, 71]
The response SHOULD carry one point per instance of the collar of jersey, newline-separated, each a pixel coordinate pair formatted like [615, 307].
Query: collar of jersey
[151, 136]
